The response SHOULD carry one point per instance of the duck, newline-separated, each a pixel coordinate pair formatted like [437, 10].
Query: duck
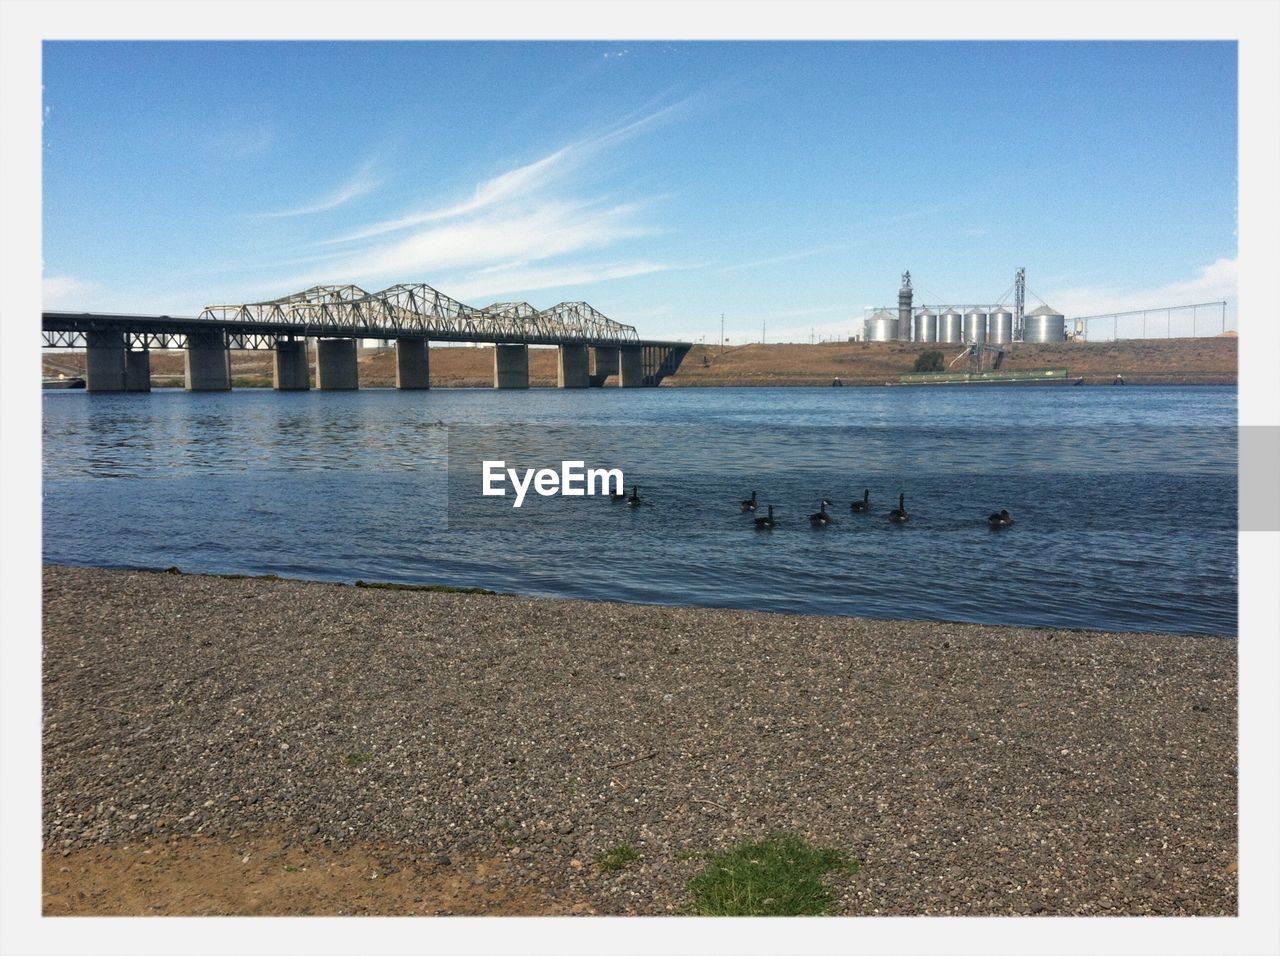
[899, 514]
[864, 505]
[634, 500]
[820, 518]
[750, 503]
[766, 521]
[1000, 519]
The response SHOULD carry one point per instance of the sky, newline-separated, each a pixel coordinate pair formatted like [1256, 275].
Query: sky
[785, 185]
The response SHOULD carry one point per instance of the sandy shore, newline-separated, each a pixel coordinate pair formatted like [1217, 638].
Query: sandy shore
[259, 746]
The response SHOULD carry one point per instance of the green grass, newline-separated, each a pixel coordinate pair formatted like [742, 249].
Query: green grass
[357, 759]
[445, 588]
[781, 875]
[616, 857]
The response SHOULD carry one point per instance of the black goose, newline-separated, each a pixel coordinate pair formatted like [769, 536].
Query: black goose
[750, 503]
[820, 518]
[634, 500]
[864, 505]
[767, 520]
[618, 495]
[899, 514]
[1000, 519]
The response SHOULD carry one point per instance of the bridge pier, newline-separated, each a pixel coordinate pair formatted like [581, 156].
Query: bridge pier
[604, 363]
[336, 366]
[208, 363]
[413, 363]
[290, 367]
[631, 373]
[572, 370]
[104, 362]
[137, 370]
[511, 366]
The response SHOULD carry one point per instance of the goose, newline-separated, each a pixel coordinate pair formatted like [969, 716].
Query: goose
[1000, 519]
[767, 521]
[899, 514]
[617, 496]
[864, 505]
[820, 518]
[634, 500]
[750, 503]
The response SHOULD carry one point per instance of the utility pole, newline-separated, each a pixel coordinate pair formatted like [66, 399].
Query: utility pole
[762, 331]
[721, 331]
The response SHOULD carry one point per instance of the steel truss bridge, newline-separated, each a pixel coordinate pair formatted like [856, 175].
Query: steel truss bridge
[347, 311]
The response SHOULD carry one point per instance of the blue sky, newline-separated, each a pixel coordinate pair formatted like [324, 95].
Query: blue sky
[665, 183]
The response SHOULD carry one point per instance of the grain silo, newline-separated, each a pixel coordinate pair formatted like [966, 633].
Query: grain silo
[949, 326]
[1000, 326]
[1044, 325]
[881, 327]
[975, 326]
[926, 326]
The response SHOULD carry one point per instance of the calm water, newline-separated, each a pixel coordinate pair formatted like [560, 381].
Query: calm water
[1125, 498]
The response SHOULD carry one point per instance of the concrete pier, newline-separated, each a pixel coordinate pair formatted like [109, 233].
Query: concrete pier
[290, 369]
[511, 366]
[631, 372]
[336, 366]
[137, 370]
[208, 363]
[572, 370]
[104, 362]
[413, 363]
[604, 364]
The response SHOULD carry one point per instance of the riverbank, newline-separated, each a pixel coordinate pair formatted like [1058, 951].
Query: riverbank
[1207, 361]
[368, 750]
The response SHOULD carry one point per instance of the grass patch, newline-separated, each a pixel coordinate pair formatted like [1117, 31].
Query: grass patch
[778, 876]
[616, 857]
[441, 588]
[357, 759]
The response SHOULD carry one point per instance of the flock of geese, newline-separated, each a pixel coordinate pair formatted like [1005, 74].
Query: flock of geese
[820, 518]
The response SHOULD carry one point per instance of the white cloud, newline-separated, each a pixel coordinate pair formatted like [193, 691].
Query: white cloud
[360, 184]
[1214, 283]
[543, 232]
[495, 283]
[63, 292]
[521, 184]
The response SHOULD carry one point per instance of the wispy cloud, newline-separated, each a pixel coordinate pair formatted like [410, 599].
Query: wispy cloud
[60, 292]
[521, 183]
[489, 284]
[787, 257]
[1215, 282]
[361, 183]
[526, 228]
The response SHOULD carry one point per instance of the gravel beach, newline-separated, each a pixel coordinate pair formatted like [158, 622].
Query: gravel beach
[497, 745]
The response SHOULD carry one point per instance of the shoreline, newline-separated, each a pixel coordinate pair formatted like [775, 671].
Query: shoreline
[1192, 361]
[446, 588]
[500, 744]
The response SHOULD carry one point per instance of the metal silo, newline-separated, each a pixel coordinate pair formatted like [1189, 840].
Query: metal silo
[926, 327]
[1000, 326]
[975, 326]
[949, 326]
[881, 327]
[1044, 325]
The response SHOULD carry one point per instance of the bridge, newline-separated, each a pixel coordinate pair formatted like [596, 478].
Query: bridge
[592, 347]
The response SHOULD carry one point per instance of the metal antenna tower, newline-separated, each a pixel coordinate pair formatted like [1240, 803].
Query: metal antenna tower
[1019, 300]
